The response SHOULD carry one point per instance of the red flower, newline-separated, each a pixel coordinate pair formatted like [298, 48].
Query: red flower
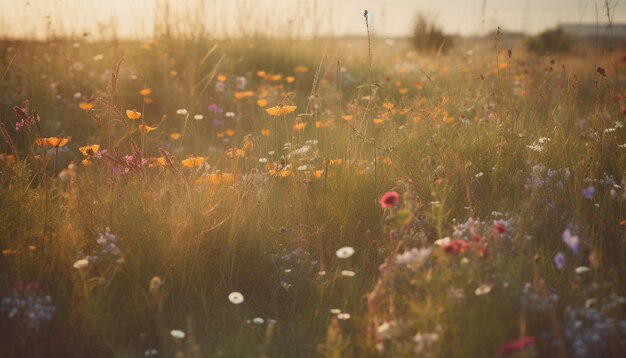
[389, 199]
[500, 228]
[513, 346]
[456, 247]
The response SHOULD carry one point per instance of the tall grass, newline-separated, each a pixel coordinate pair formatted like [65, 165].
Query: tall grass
[493, 160]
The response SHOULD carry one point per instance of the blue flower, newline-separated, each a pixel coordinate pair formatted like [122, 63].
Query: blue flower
[559, 260]
[588, 193]
[572, 241]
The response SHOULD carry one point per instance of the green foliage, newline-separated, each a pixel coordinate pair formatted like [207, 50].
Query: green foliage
[553, 41]
[427, 36]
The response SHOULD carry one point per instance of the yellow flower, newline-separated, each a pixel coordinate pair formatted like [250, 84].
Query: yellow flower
[214, 179]
[290, 79]
[299, 126]
[378, 121]
[243, 94]
[132, 114]
[261, 102]
[158, 161]
[86, 162]
[300, 69]
[193, 162]
[388, 105]
[221, 78]
[144, 128]
[346, 117]
[175, 136]
[145, 91]
[280, 109]
[89, 150]
[265, 132]
[236, 153]
[147, 100]
[403, 90]
[334, 162]
[318, 173]
[51, 142]
[261, 73]
[86, 106]
[282, 173]
[230, 132]
[276, 78]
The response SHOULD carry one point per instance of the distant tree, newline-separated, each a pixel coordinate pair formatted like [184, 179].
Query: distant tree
[550, 41]
[427, 36]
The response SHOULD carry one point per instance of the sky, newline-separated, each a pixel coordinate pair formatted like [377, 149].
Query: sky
[139, 18]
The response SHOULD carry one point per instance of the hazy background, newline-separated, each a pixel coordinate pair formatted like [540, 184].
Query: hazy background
[137, 18]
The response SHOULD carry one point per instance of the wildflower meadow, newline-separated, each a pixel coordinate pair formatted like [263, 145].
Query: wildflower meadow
[190, 196]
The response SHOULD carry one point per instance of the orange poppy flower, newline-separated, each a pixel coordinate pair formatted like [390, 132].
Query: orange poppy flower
[236, 153]
[132, 114]
[243, 94]
[86, 106]
[51, 142]
[89, 150]
[300, 69]
[280, 109]
[193, 162]
[299, 126]
[144, 128]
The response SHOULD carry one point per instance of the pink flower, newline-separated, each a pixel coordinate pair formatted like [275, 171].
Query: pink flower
[510, 347]
[389, 199]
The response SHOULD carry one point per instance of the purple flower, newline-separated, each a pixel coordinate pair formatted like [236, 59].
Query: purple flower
[588, 193]
[572, 241]
[214, 108]
[100, 153]
[559, 260]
